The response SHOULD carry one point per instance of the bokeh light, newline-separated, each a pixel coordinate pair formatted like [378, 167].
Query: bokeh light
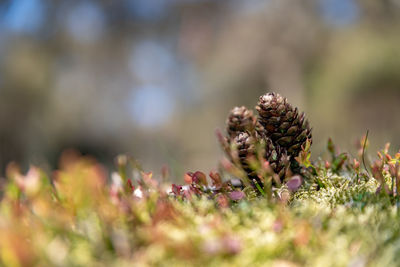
[339, 12]
[151, 106]
[85, 22]
[25, 16]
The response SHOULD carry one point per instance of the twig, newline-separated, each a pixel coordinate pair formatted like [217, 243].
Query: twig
[363, 152]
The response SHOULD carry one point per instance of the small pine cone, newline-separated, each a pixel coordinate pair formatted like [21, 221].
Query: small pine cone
[240, 119]
[283, 123]
[277, 158]
[246, 148]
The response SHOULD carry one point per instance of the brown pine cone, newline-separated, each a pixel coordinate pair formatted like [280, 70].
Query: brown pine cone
[282, 123]
[240, 119]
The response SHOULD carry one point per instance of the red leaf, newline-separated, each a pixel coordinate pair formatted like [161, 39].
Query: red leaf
[130, 185]
[188, 178]
[216, 178]
[199, 178]
[176, 189]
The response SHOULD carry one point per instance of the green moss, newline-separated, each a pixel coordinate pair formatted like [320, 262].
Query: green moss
[339, 217]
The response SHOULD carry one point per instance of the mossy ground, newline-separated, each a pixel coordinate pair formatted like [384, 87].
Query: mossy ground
[79, 217]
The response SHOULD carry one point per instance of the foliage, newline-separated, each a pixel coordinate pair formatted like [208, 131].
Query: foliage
[340, 216]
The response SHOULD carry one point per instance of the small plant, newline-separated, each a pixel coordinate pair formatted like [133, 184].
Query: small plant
[267, 147]
[386, 170]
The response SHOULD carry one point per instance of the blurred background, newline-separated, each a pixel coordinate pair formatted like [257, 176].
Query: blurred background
[155, 78]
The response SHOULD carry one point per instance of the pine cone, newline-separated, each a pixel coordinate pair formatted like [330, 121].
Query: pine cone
[246, 146]
[240, 120]
[277, 158]
[282, 123]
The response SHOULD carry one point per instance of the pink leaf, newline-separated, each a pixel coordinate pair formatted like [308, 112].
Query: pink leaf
[236, 195]
[294, 183]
